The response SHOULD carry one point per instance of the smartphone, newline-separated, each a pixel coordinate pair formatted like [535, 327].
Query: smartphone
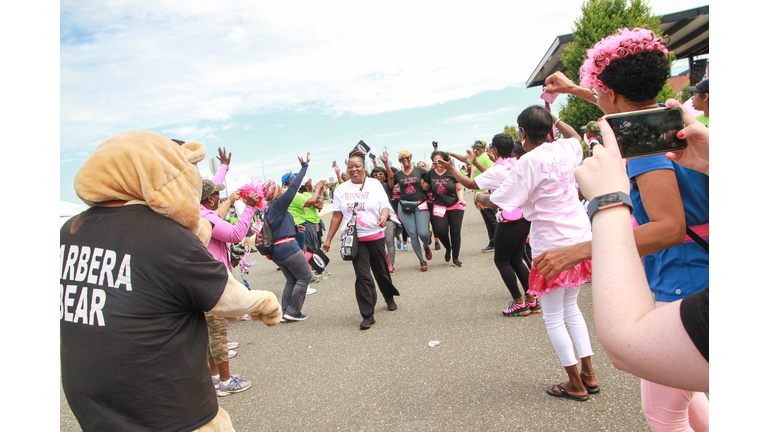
[334, 164]
[434, 144]
[648, 132]
[372, 156]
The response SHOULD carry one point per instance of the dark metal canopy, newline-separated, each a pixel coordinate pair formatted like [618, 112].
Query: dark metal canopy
[687, 32]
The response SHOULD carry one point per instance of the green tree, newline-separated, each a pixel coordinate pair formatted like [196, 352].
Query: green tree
[599, 19]
[511, 130]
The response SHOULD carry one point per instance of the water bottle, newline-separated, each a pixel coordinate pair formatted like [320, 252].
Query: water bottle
[325, 274]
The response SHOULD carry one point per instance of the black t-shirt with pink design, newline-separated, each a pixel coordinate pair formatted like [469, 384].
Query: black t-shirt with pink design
[443, 187]
[410, 184]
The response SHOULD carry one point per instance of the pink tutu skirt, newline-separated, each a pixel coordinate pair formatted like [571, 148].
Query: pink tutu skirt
[572, 278]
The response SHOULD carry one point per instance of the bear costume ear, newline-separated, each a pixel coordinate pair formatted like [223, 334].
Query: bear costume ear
[194, 151]
[141, 166]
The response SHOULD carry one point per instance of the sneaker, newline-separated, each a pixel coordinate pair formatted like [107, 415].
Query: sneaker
[235, 385]
[398, 243]
[427, 252]
[232, 345]
[535, 307]
[423, 265]
[515, 309]
[457, 263]
[405, 247]
[311, 291]
[293, 318]
[217, 379]
[391, 268]
[447, 254]
[232, 354]
[437, 245]
[314, 280]
[245, 317]
[487, 249]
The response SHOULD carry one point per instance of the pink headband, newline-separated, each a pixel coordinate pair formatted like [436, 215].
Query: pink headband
[623, 43]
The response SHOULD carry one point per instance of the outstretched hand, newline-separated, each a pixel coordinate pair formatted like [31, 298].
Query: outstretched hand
[605, 171]
[696, 155]
[302, 160]
[558, 83]
[223, 157]
[471, 157]
[384, 158]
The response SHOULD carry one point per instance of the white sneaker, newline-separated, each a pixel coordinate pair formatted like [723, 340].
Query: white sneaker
[232, 345]
[311, 291]
[232, 354]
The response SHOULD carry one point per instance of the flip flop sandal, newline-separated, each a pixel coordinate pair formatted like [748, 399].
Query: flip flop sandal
[591, 390]
[566, 395]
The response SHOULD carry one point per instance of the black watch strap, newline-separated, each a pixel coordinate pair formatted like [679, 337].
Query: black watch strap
[609, 200]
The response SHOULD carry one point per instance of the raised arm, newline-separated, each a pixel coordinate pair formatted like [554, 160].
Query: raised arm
[559, 83]
[390, 174]
[464, 180]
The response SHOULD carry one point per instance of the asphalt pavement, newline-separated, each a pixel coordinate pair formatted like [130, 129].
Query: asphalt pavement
[487, 373]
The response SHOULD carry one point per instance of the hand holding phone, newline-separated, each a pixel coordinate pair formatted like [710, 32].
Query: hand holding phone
[648, 132]
[434, 144]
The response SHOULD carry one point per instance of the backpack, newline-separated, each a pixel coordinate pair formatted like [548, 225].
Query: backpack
[263, 241]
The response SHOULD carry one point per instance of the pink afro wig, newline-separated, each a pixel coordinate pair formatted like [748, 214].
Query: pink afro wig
[621, 44]
[254, 186]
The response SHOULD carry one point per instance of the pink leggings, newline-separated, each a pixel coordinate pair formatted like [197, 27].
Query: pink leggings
[668, 409]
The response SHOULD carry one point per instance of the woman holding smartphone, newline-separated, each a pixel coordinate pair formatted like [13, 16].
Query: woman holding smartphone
[448, 208]
[412, 209]
[624, 72]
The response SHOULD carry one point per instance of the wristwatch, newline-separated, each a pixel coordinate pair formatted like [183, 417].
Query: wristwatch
[613, 199]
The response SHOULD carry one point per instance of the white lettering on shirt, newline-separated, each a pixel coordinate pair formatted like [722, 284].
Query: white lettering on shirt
[110, 257]
[69, 270]
[69, 301]
[82, 264]
[81, 311]
[95, 263]
[124, 275]
[98, 299]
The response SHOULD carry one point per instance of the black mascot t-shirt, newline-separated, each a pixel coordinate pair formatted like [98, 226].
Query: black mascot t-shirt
[134, 340]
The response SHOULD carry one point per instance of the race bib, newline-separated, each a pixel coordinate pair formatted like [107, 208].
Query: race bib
[423, 206]
[438, 210]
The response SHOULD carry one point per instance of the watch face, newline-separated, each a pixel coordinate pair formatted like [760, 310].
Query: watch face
[608, 199]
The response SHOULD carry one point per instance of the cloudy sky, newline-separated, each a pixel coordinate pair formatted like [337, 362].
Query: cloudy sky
[273, 80]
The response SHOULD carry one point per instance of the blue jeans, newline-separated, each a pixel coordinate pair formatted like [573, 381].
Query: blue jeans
[416, 224]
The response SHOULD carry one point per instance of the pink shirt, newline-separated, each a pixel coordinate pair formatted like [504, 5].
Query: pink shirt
[223, 231]
[543, 186]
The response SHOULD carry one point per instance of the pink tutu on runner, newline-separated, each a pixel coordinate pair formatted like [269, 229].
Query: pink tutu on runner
[572, 278]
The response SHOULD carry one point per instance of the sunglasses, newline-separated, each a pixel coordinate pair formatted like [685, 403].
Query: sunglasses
[403, 158]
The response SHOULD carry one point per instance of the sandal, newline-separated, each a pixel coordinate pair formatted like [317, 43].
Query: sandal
[424, 266]
[590, 390]
[564, 394]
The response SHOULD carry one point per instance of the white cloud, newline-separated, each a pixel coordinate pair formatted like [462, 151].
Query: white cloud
[128, 64]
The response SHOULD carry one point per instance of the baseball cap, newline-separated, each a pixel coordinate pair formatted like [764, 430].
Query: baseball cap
[591, 127]
[209, 187]
[702, 87]
[480, 144]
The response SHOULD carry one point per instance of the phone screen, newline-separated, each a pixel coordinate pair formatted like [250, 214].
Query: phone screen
[648, 132]
[334, 163]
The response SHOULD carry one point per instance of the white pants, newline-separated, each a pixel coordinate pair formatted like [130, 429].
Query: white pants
[560, 307]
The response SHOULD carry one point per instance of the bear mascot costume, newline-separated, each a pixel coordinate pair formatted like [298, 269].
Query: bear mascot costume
[136, 281]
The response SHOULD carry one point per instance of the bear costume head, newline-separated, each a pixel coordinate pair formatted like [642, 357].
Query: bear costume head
[141, 167]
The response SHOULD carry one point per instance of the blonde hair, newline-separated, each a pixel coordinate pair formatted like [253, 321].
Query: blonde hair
[404, 153]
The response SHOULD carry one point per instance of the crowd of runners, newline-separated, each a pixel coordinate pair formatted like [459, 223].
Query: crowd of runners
[554, 219]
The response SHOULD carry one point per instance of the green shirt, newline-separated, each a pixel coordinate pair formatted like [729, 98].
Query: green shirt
[296, 208]
[484, 161]
[310, 213]
[703, 119]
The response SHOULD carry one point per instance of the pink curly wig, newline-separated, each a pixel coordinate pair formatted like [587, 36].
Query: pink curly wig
[254, 186]
[621, 44]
